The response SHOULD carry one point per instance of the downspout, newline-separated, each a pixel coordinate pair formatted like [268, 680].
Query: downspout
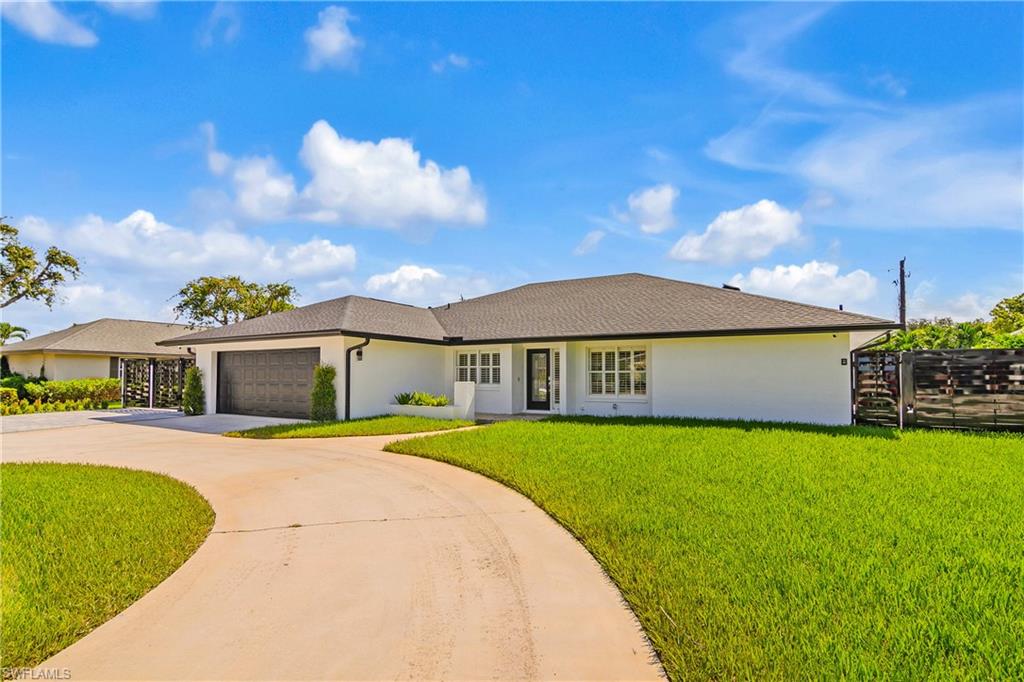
[348, 375]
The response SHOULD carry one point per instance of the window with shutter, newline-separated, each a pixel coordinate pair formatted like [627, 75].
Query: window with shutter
[618, 372]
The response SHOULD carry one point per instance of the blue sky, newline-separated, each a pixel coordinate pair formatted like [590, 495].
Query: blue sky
[420, 152]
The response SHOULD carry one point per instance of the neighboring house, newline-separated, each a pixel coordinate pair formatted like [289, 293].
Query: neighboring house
[92, 349]
[618, 345]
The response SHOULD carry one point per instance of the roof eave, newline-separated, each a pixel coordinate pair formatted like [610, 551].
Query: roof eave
[880, 326]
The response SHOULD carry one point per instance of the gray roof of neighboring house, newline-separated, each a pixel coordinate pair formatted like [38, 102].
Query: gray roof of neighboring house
[105, 337]
[614, 306]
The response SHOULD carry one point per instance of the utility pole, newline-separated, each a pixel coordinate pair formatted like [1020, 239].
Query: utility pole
[903, 293]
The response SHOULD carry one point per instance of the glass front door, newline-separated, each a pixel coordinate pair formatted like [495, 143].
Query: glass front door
[538, 387]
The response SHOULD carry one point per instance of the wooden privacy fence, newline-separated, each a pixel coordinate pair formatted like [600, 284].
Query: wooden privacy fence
[962, 389]
[149, 382]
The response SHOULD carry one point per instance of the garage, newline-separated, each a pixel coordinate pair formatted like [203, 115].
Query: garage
[268, 383]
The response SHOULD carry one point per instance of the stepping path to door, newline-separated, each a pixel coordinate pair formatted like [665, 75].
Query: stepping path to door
[330, 559]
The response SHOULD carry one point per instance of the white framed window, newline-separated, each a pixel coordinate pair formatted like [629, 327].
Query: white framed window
[618, 372]
[480, 368]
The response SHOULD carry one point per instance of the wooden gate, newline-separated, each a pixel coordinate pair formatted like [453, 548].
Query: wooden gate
[962, 389]
[149, 382]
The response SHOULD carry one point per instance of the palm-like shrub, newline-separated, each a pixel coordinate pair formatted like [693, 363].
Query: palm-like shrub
[193, 398]
[421, 398]
[324, 399]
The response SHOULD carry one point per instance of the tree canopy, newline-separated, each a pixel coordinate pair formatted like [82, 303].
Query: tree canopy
[208, 301]
[941, 333]
[10, 331]
[24, 276]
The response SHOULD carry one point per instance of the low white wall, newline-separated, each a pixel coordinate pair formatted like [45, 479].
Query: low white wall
[332, 352]
[463, 407]
[389, 368]
[785, 377]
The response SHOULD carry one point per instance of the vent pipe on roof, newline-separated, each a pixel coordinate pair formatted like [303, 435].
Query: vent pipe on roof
[730, 287]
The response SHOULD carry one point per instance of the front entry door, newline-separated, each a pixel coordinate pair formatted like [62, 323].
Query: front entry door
[538, 385]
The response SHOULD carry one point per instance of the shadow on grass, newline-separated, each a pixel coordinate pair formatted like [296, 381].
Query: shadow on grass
[742, 425]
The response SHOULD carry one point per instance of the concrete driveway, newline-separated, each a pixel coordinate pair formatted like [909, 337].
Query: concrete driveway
[330, 559]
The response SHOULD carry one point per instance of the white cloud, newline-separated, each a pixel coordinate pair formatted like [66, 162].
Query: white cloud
[140, 241]
[451, 60]
[896, 87]
[922, 302]
[589, 242]
[223, 23]
[133, 9]
[331, 43]
[813, 282]
[884, 164]
[425, 286]
[381, 184]
[44, 22]
[747, 233]
[651, 208]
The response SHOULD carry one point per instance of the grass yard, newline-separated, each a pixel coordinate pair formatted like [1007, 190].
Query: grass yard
[371, 426]
[80, 543]
[754, 551]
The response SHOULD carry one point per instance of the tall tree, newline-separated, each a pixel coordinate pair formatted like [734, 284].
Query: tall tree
[10, 331]
[208, 301]
[1008, 315]
[24, 276]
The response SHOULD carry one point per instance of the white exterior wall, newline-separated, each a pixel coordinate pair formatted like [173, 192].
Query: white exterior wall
[490, 398]
[785, 377]
[28, 364]
[388, 368]
[332, 352]
[62, 366]
[605, 405]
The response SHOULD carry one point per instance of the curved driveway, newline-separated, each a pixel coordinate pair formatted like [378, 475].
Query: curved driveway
[330, 559]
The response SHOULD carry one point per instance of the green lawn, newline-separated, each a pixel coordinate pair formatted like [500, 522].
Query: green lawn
[760, 551]
[371, 426]
[80, 543]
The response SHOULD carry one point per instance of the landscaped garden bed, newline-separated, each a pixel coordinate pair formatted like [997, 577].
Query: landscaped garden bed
[21, 396]
[754, 550]
[80, 544]
[372, 426]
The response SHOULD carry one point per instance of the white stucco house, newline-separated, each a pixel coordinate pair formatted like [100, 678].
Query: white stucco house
[628, 344]
[92, 350]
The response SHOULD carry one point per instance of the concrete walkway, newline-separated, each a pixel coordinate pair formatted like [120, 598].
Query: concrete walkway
[330, 559]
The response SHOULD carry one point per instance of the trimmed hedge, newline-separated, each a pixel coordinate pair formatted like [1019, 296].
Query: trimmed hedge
[93, 390]
[8, 396]
[26, 407]
[324, 399]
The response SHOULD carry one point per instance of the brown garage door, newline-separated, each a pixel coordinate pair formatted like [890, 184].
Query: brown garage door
[270, 383]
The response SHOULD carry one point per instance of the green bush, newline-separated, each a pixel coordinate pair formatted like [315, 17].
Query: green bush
[93, 390]
[8, 409]
[421, 398]
[324, 399]
[17, 382]
[193, 398]
[5, 367]
[8, 396]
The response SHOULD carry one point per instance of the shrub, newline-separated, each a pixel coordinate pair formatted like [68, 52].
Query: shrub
[94, 390]
[38, 406]
[324, 399]
[193, 398]
[5, 367]
[8, 396]
[15, 381]
[421, 398]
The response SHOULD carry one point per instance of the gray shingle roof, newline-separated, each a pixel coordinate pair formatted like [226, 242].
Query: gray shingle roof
[107, 337]
[631, 305]
[351, 314]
